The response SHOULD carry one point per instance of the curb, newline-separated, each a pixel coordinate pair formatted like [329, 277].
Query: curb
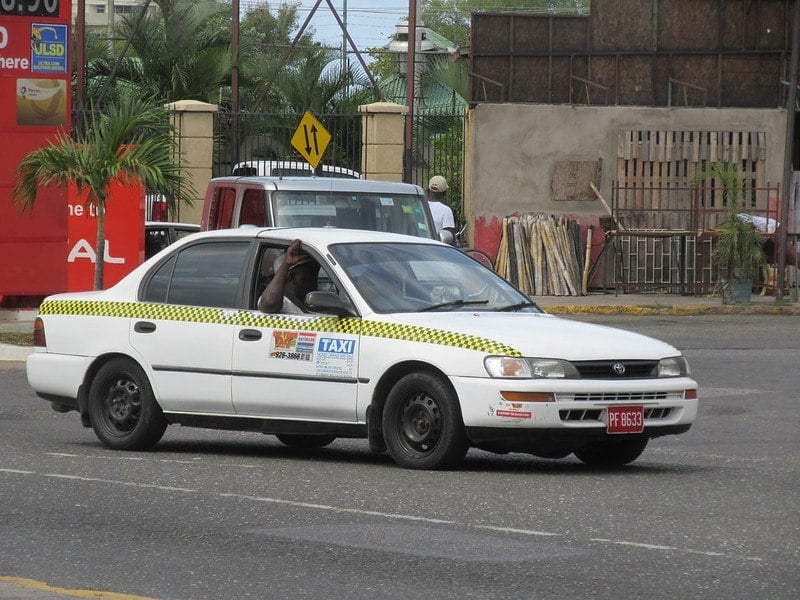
[745, 309]
[11, 353]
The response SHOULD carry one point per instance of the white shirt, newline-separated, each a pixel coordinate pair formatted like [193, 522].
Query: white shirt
[442, 215]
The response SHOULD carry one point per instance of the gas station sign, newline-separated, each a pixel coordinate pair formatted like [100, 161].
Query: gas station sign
[124, 221]
[35, 92]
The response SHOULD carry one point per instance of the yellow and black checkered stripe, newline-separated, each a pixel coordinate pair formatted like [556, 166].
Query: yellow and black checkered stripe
[193, 314]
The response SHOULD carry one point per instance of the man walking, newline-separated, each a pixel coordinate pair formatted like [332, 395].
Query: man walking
[442, 214]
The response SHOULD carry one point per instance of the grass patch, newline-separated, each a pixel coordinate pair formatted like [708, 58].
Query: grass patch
[16, 338]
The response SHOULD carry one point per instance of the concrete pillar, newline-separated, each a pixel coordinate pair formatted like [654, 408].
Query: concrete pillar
[194, 125]
[383, 125]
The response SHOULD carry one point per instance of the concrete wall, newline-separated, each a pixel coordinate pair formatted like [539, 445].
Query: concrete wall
[512, 149]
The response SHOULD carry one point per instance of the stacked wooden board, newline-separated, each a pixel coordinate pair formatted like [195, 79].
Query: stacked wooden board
[542, 255]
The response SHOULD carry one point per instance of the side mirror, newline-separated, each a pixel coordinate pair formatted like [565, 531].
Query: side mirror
[446, 236]
[328, 303]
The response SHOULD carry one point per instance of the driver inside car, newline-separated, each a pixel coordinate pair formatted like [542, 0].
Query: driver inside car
[295, 275]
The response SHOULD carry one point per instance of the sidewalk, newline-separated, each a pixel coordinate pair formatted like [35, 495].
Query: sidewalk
[666, 304]
[595, 303]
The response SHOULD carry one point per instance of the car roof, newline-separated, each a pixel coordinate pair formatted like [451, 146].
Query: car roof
[312, 184]
[316, 236]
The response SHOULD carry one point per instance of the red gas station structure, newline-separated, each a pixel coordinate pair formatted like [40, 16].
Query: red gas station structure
[51, 248]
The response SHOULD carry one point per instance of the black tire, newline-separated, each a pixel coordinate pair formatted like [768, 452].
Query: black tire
[422, 423]
[612, 453]
[123, 409]
[308, 441]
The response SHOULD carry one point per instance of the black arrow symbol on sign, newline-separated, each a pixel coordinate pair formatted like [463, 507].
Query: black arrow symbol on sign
[308, 142]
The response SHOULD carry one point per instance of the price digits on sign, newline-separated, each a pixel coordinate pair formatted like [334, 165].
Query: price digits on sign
[29, 8]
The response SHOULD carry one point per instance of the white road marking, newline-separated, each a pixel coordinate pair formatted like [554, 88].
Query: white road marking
[672, 549]
[373, 513]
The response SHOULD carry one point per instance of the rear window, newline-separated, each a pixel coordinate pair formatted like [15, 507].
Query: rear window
[396, 213]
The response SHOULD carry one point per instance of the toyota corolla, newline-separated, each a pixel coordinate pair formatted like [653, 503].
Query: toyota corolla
[403, 341]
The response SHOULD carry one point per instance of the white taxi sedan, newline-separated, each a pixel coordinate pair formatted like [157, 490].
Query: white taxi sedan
[406, 342]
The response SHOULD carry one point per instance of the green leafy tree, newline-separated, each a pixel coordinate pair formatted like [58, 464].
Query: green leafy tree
[129, 140]
[265, 36]
[183, 50]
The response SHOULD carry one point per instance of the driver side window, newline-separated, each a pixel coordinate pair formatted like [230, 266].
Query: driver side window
[266, 263]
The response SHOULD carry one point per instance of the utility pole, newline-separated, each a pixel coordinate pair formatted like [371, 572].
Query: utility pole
[235, 85]
[344, 37]
[788, 154]
[411, 59]
[80, 66]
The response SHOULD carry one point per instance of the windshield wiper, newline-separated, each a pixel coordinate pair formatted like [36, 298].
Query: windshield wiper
[516, 306]
[452, 304]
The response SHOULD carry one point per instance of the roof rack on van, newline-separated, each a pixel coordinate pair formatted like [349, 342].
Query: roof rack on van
[291, 168]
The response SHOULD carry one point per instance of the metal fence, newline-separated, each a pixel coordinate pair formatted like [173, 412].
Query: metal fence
[437, 146]
[267, 136]
[665, 236]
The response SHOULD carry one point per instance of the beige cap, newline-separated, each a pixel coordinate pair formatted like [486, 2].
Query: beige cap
[437, 184]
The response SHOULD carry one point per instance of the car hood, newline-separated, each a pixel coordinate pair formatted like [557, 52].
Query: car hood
[542, 335]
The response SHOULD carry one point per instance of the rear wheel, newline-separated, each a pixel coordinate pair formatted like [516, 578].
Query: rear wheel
[305, 440]
[611, 453]
[422, 423]
[123, 409]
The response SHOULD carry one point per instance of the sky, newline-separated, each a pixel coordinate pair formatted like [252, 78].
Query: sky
[369, 22]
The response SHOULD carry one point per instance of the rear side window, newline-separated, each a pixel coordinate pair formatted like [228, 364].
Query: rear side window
[220, 215]
[207, 274]
[254, 208]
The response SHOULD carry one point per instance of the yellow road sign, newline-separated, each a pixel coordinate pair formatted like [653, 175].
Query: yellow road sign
[311, 139]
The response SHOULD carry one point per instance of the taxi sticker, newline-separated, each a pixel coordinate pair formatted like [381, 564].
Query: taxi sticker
[293, 345]
[335, 356]
[511, 410]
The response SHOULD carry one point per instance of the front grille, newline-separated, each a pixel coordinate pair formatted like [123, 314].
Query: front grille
[650, 414]
[633, 369]
[613, 397]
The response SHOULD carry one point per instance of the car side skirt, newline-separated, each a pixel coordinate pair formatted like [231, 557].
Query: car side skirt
[271, 426]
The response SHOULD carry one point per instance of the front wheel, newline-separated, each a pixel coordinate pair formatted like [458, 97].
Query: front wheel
[613, 453]
[123, 409]
[422, 423]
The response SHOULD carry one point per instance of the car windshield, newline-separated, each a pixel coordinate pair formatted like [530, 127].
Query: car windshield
[396, 213]
[398, 277]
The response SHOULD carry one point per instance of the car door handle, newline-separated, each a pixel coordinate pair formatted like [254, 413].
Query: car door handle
[249, 335]
[144, 327]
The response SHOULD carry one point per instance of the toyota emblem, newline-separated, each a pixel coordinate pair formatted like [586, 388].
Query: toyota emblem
[618, 368]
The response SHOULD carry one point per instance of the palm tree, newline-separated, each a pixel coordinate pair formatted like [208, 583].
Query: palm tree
[183, 50]
[131, 140]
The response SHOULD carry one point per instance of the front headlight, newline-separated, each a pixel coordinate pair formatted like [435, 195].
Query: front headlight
[529, 368]
[675, 366]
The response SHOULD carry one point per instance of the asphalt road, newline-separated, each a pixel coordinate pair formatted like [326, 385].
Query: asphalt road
[713, 513]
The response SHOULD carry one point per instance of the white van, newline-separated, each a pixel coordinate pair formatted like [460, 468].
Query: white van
[291, 168]
[317, 202]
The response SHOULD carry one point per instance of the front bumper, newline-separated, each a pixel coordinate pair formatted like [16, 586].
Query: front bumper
[578, 408]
